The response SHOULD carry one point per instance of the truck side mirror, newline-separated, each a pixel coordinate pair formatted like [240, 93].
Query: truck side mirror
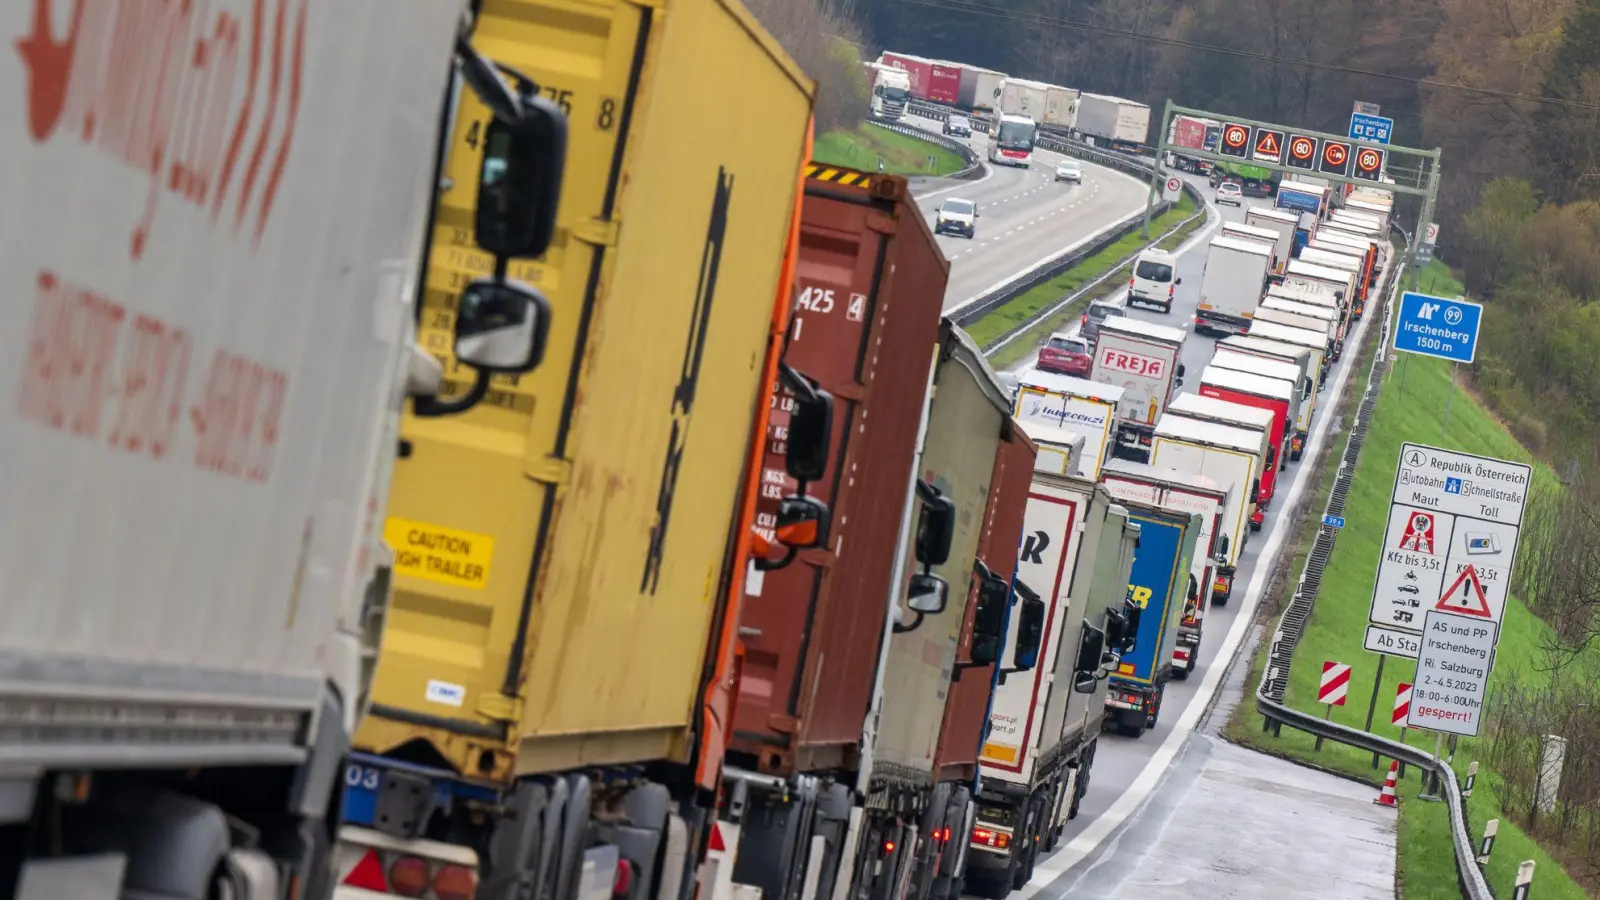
[1091, 649]
[1180, 370]
[1030, 628]
[936, 525]
[501, 326]
[1222, 548]
[989, 620]
[519, 182]
[1194, 588]
[802, 524]
[1130, 633]
[810, 427]
[1177, 281]
[928, 594]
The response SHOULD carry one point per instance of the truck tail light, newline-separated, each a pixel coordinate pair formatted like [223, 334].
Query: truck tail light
[408, 876]
[453, 882]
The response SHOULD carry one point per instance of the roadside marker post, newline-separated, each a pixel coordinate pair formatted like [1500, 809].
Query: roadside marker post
[1333, 690]
[1490, 829]
[1472, 778]
[1524, 880]
[1402, 708]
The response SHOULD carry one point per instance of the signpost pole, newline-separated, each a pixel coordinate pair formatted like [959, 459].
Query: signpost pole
[1430, 780]
[1450, 400]
[1155, 171]
[1377, 682]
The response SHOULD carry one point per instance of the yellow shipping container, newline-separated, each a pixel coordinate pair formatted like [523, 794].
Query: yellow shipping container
[560, 547]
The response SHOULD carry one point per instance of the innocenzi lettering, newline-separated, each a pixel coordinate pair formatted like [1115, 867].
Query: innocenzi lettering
[1133, 363]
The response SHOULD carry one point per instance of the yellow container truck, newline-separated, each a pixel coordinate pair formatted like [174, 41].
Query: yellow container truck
[563, 550]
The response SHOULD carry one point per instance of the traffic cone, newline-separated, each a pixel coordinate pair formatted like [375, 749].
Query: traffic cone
[1386, 797]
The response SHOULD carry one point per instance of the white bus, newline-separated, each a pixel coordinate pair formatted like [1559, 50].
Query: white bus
[1011, 144]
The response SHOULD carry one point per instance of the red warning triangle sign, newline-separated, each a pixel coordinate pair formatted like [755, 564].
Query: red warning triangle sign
[716, 844]
[1465, 596]
[1267, 144]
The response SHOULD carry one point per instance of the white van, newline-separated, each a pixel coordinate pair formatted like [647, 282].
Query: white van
[1154, 279]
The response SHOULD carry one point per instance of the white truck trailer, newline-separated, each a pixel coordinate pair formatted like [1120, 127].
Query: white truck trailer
[1281, 354]
[1077, 551]
[1021, 97]
[1246, 232]
[1231, 456]
[1060, 108]
[1077, 405]
[1280, 223]
[195, 579]
[1113, 121]
[1144, 360]
[1235, 275]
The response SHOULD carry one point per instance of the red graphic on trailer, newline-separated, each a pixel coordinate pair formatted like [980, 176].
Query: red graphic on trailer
[1418, 536]
[1465, 596]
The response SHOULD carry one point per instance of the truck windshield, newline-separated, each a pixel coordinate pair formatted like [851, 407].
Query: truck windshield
[1015, 136]
[897, 94]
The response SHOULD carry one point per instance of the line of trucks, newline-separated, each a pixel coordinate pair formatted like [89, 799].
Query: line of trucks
[1102, 119]
[647, 535]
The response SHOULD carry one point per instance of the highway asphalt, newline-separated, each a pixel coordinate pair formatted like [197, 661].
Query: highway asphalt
[1128, 771]
[1025, 216]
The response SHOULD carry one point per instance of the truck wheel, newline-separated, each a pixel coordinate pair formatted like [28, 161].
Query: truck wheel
[1219, 599]
[1255, 526]
[1131, 729]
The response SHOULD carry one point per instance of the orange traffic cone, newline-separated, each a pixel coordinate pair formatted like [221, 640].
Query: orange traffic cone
[1386, 797]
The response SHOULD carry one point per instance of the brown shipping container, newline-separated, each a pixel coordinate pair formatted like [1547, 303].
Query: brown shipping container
[869, 284]
[965, 713]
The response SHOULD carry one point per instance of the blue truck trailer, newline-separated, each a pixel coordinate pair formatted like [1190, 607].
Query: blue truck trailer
[1159, 585]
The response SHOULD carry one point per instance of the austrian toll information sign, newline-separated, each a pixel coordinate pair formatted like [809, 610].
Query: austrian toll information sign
[1452, 673]
[1451, 539]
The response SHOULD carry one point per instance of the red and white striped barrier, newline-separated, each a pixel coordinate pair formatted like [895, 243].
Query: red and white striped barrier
[1402, 703]
[1335, 684]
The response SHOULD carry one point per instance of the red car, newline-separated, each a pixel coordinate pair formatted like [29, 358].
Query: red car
[1065, 355]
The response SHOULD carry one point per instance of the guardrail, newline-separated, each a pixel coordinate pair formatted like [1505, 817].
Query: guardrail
[1291, 626]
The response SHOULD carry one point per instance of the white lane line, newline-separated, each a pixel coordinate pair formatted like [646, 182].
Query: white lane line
[1142, 786]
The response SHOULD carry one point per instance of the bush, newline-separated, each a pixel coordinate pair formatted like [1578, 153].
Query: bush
[824, 42]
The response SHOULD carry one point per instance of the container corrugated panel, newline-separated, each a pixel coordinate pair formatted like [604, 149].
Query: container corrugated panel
[967, 709]
[566, 539]
[969, 411]
[869, 280]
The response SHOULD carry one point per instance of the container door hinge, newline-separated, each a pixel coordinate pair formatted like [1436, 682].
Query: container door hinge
[551, 470]
[500, 707]
[599, 232]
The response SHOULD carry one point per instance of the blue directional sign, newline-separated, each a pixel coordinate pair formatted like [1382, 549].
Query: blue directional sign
[1333, 521]
[1437, 326]
[1364, 127]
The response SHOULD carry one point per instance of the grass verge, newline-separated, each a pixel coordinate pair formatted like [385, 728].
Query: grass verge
[1027, 305]
[1410, 408]
[902, 155]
